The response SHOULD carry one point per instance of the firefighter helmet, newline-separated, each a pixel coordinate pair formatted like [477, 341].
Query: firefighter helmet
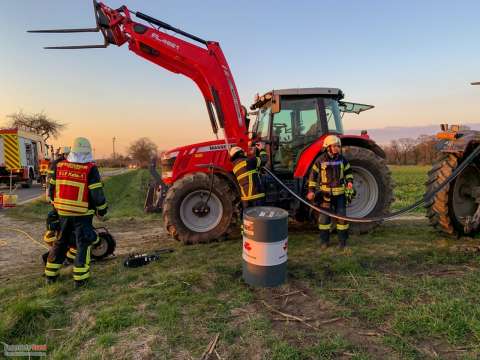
[235, 150]
[81, 145]
[331, 140]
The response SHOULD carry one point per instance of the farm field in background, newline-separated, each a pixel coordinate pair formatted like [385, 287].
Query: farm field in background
[409, 185]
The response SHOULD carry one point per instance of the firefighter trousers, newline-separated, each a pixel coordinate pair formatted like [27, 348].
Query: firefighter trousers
[80, 231]
[338, 205]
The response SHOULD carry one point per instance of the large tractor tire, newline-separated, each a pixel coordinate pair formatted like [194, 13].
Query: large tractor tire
[184, 213]
[449, 208]
[373, 183]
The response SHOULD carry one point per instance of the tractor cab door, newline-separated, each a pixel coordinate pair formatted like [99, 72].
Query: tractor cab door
[299, 123]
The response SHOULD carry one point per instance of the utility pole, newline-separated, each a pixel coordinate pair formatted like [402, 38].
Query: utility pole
[113, 143]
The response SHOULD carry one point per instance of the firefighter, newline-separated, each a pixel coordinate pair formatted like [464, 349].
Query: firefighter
[44, 166]
[76, 192]
[330, 185]
[246, 170]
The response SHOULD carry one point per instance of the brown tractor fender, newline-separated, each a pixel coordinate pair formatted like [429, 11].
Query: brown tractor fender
[464, 142]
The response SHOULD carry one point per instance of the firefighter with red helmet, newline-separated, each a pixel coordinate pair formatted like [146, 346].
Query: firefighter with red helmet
[330, 185]
[76, 192]
[246, 171]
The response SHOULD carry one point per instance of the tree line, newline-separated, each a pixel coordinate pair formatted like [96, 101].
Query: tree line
[408, 151]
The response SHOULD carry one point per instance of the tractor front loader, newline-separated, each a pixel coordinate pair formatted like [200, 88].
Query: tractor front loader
[201, 196]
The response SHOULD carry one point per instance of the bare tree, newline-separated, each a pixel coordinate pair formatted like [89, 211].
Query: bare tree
[395, 150]
[407, 146]
[142, 151]
[39, 123]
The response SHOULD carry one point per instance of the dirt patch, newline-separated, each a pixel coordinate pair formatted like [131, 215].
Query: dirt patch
[21, 243]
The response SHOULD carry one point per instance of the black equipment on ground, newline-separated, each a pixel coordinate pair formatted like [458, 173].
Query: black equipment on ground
[137, 260]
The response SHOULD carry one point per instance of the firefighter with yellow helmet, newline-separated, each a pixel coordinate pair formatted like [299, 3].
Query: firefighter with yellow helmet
[246, 171]
[330, 184]
[76, 192]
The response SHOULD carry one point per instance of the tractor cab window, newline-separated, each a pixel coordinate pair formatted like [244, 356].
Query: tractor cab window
[263, 123]
[294, 127]
[334, 118]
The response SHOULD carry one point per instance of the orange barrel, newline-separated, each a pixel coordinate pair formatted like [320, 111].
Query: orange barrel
[265, 245]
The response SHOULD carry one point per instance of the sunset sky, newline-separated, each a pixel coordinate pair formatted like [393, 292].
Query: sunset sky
[413, 60]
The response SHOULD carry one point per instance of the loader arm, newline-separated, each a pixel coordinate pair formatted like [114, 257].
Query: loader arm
[206, 65]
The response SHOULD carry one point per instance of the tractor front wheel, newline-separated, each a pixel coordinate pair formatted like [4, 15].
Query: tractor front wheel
[197, 211]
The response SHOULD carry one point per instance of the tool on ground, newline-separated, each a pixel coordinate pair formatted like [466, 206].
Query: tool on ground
[137, 260]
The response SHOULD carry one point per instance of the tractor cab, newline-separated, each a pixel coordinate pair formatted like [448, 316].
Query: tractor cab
[290, 120]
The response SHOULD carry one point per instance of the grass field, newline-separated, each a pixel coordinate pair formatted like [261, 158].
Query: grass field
[400, 292]
[409, 185]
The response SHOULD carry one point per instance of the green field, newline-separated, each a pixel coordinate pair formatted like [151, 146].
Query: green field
[409, 185]
[403, 291]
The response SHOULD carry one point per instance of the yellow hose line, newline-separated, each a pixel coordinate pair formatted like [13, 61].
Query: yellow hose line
[27, 235]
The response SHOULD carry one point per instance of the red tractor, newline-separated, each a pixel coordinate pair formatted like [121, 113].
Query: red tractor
[202, 197]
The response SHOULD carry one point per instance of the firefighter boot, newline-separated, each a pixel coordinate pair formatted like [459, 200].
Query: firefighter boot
[342, 230]
[80, 283]
[324, 239]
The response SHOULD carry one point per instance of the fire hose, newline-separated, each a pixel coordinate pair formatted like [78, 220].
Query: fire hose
[426, 197]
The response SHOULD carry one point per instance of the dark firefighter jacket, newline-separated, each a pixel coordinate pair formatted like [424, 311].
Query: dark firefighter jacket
[330, 174]
[246, 171]
[87, 202]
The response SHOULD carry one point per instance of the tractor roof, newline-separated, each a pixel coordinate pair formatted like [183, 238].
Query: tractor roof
[319, 91]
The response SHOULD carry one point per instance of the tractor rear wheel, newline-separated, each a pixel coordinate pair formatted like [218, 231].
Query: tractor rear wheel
[193, 215]
[449, 208]
[373, 184]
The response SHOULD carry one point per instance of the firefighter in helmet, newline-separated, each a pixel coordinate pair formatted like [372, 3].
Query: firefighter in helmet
[246, 170]
[53, 221]
[76, 192]
[44, 166]
[330, 185]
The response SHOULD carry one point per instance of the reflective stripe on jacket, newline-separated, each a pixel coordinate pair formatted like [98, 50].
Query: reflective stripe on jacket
[330, 174]
[76, 189]
[71, 189]
[246, 171]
